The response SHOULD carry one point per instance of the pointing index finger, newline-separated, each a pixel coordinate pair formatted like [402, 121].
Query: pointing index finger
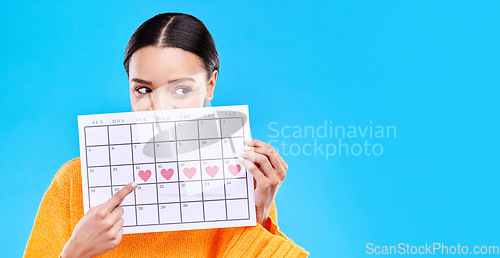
[118, 197]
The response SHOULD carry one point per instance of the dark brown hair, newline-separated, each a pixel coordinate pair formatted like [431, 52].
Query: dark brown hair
[175, 30]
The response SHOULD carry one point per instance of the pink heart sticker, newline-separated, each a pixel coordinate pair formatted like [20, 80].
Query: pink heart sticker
[234, 169]
[145, 175]
[212, 171]
[189, 172]
[167, 174]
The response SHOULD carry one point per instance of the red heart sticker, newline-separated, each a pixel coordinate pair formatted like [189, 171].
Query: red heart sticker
[167, 174]
[189, 172]
[234, 169]
[145, 175]
[212, 171]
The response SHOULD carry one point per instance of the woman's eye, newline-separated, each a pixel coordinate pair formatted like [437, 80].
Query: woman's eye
[143, 90]
[182, 91]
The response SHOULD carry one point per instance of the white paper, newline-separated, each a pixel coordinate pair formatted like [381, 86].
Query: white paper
[184, 160]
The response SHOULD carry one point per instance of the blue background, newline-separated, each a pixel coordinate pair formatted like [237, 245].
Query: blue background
[430, 68]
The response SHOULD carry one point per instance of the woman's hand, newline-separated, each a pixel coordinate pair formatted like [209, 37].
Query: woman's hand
[100, 229]
[268, 170]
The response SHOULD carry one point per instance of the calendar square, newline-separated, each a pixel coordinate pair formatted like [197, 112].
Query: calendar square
[236, 188]
[192, 211]
[211, 149]
[147, 214]
[164, 131]
[231, 147]
[96, 135]
[143, 153]
[191, 191]
[98, 156]
[145, 173]
[189, 170]
[119, 134]
[142, 133]
[233, 169]
[121, 154]
[215, 210]
[188, 150]
[167, 172]
[213, 190]
[187, 130]
[168, 192]
[232, 127]
[145, 194]
[122, 175]
[99, 195]
[209, 128]
[212, 169]
[170, 213]
[166, 151]
[99, 176]
[237, 209]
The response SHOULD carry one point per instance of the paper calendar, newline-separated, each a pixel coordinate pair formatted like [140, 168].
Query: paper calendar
[185, 162]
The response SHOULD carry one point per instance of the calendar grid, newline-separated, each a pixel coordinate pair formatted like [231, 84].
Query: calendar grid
[133, 174]
[109, 157]
[139, 142]
[201, 169]
[226, 182]
[178, 174]
[224, 172]
[240, 198]
[87, 162]
[144, 163]
[246, 181]
[156, 175]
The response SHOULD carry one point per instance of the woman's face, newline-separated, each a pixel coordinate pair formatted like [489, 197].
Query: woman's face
[168, 78]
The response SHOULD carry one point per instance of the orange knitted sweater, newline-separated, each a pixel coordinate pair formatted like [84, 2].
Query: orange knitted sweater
[62, 207]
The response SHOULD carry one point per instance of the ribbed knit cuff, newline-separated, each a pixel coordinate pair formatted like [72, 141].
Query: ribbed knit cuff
[257, 240]
[273, 228]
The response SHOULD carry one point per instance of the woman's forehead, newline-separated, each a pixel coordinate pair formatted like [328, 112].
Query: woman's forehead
[163, 64]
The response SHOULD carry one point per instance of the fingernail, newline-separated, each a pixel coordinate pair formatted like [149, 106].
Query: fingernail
[241, 153]
[240, 158]
[248, 141]
[134, 184]
[246, 148]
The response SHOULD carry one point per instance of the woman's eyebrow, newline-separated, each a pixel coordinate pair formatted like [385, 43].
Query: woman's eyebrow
[141, 81]
[182, 80]
[175, 80]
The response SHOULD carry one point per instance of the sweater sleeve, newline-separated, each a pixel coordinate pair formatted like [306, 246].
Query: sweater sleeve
[258, 241]
[272, 222]
[52, 228]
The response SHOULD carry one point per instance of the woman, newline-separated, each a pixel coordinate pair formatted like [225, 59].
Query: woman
[171, 62]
